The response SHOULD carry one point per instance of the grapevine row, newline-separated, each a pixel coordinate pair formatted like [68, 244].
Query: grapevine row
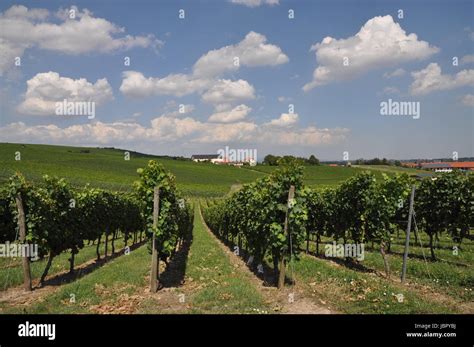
[362, 209]
[59, 218]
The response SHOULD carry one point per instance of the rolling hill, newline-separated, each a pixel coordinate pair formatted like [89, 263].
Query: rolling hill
[107, 168]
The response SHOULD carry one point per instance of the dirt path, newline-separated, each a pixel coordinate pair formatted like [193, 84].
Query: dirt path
[290, 300]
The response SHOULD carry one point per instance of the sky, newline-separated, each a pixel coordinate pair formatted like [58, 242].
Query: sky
[276, 76]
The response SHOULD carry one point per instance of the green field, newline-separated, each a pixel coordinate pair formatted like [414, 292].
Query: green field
[107, 168]
[390, 169]
[325, 175]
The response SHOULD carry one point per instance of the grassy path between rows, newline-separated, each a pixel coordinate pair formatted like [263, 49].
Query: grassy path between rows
[450, 275]
[212, 284]
[445, 285]
[11, 271]
[340, 287]
[351, 291]
[209, 284]
[83, 294]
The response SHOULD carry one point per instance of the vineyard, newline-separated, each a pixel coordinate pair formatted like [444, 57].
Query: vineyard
[60, 219]
[171, 164]
[273, 234]
[269, 221]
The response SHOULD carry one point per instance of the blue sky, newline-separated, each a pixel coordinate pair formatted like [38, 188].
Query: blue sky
[244, 107]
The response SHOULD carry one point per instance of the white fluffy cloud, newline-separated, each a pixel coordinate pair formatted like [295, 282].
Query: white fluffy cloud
[251, 51]
[24, 28]
[172, 128]
[431, 79]
[380, 42]
[169, 130]
[227, 132]
[205, 79]
[20, 11]
[285, 120]
[45, 89]
[255, 3]
[224, 93]
[135, 84]
[238, 113]
[174, 110]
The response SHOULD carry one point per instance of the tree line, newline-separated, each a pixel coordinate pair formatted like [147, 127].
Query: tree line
[275, 160]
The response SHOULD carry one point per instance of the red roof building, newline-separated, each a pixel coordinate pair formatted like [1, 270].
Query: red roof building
[446, 166]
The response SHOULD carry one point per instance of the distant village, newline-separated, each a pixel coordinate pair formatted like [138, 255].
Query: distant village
[218, 159]
[441, 166]
[438, 165]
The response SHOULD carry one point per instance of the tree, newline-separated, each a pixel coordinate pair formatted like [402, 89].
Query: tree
[313, 160]
[350, 205]
[271, 160]
[459, 214]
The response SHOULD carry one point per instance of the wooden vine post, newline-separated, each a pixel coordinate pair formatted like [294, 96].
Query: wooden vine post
[281, 278]
[407, 240]
[22, 228]
[155, 262]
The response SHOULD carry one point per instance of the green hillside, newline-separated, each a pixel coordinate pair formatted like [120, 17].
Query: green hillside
[390, 169]
[324, 175]
[107, 168]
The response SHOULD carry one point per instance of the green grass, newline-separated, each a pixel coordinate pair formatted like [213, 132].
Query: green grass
[11, 271]
[226, 289]
[122, 276]
[322, 175]
[451, 275]
[106, 168]
[215, 286]
[350, 291]
[391, 169]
